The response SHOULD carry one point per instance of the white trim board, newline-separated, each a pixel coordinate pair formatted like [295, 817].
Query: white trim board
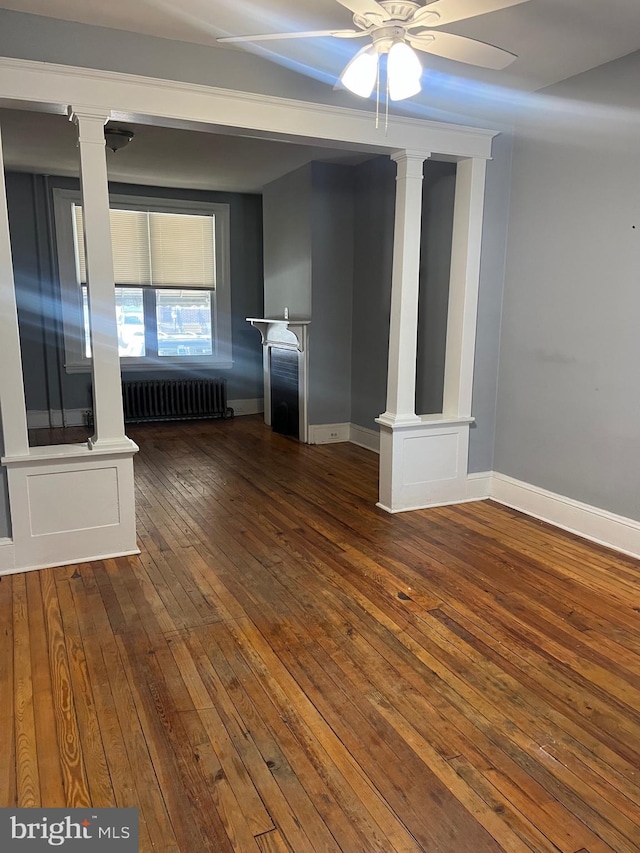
[250, 406]
[15, 570]
[365, 437]
[46, 419]
[7, 557]
[328, 433]
[592, 523]
[141, 97]
[479, 486]
[353, 433]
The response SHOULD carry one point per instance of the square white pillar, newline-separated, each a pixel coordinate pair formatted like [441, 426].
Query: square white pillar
[105, 360]
[424, 460]
[405, 289]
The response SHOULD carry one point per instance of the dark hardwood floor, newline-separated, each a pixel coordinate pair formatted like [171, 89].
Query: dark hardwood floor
[287, 668]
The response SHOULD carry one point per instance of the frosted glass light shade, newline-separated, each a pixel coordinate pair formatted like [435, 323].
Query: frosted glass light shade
[404, 72]
[360, 74]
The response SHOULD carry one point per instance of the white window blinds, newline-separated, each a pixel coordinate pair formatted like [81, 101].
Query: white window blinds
[152, 249]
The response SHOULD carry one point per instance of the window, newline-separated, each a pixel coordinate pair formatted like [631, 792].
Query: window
[171, 273]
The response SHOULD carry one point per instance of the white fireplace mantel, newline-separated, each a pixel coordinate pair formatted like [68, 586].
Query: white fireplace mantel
[291, 333]
[278, 330]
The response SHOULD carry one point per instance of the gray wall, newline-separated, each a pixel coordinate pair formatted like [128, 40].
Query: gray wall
[47, 385]
[435, 266]
[308, 268]
[332, 212]
[492, 272]
[375, 185]
[375, 208]
[568, 401]
[37, 312]
[287, 245]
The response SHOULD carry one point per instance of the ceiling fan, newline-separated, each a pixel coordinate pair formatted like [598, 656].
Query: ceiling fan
[395, 27]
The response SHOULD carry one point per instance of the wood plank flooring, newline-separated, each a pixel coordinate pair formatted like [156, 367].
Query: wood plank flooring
[286, 668]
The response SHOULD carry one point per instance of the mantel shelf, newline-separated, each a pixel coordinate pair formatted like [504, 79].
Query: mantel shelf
[278, 331]
[290, 321]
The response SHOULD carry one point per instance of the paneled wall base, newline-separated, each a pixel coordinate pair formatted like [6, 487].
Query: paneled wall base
[423, 464]
[70, 504]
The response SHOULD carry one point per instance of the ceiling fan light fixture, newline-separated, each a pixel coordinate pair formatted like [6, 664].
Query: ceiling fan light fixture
[398, 26]
[361, 73]
[403, 72]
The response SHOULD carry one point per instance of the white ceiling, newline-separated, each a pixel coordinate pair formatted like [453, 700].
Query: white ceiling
[45, 143]
[554, 39]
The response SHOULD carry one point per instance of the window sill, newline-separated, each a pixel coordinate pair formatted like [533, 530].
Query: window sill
[157, 366]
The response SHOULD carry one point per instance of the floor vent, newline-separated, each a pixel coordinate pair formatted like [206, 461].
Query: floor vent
[175, 400]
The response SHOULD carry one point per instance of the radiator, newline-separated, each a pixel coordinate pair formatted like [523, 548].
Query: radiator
[173, 400]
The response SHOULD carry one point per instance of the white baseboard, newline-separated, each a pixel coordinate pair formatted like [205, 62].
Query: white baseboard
[332, 433]
[328, 433]
[14, 570]
[434, 505]
[247, 407]
[590, 522]
[479, 486]
[39, 419]
[7, 556]
[45, 419]
[55, 418]
[364, 437]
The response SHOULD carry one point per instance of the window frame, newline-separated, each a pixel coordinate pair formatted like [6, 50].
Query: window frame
[71, 290]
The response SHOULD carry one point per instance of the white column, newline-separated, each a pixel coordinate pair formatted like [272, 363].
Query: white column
[463, 287]
[107, 389]
[424, 460]
[12, 402]
[403, 330]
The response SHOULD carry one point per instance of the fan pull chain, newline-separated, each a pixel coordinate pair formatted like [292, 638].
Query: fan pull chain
[378, 96]
[386, 117]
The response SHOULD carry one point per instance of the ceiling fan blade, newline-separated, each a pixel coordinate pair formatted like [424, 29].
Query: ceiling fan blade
[462, 49]
[343, 34]
[449, 11]
[367, 8]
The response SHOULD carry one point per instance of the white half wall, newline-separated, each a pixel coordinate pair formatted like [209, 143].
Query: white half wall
[69, 504]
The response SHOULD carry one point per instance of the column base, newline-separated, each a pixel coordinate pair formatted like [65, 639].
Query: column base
[423, 463]
[391, 421]
[112, 445]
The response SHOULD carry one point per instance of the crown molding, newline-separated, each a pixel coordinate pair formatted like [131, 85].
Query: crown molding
[137, 98]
